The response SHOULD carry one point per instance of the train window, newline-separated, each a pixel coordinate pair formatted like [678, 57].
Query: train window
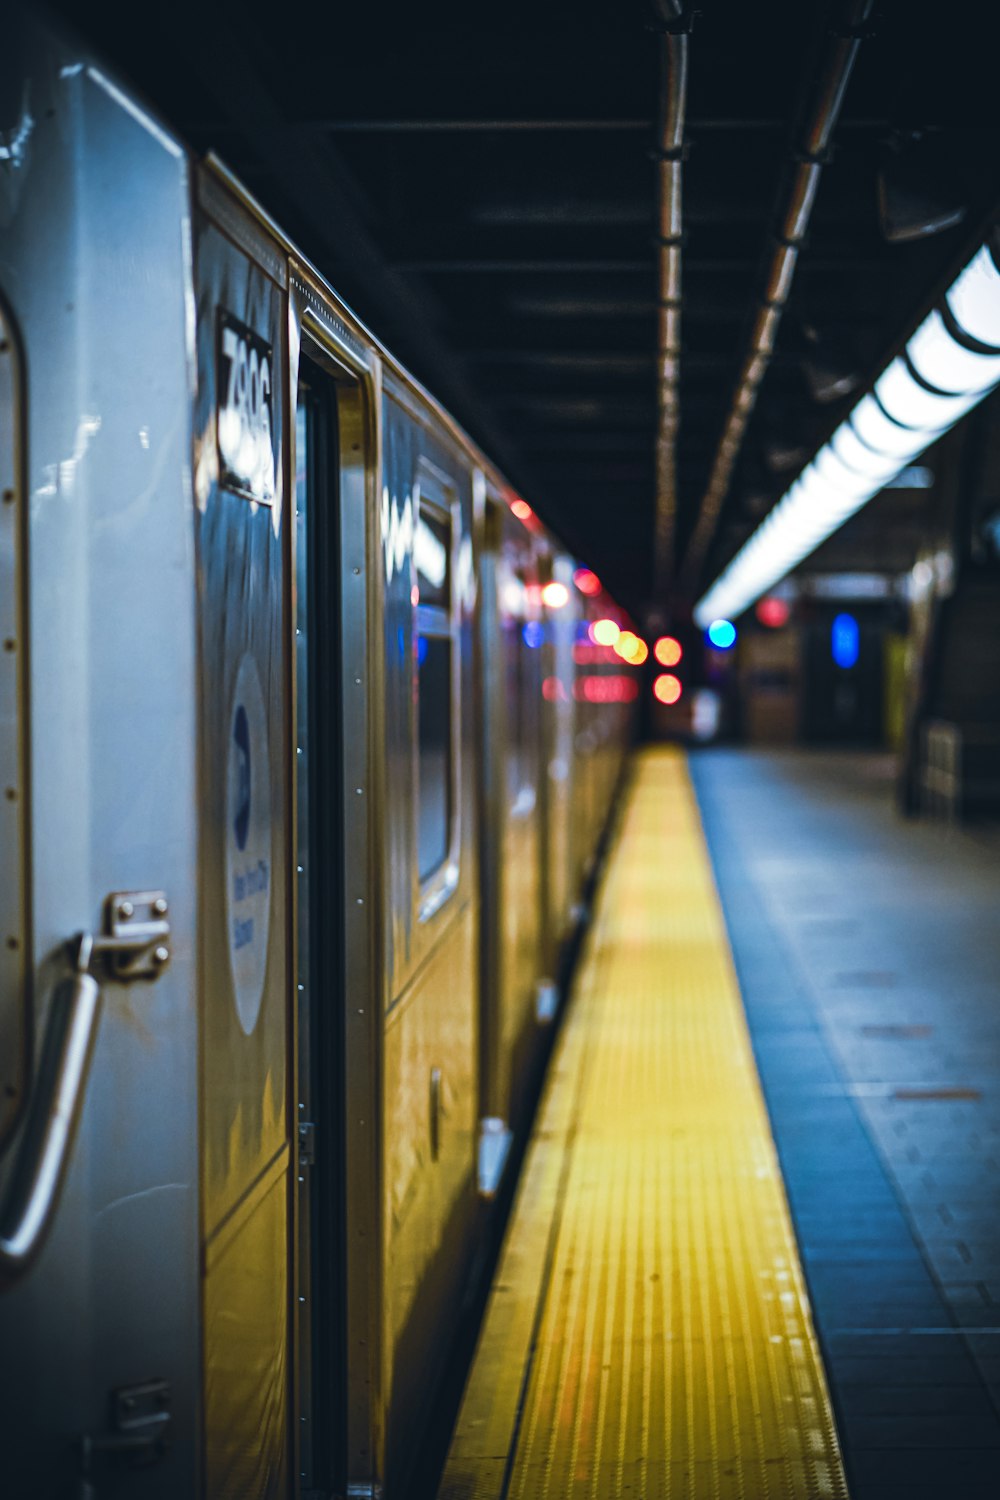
[431, 547]
[522, 641]
[434, 791]
[435, 685]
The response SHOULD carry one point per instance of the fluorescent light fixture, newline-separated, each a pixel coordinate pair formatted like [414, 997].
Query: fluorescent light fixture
[858, 456]
[974, 300]
[829, 473]
[879, 431]
[946, 364]
[913, 405]
[917, 397]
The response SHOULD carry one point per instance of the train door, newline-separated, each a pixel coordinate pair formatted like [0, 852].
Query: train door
[334, 1100]
[494, 1105]
[319, 936]
[317, 941]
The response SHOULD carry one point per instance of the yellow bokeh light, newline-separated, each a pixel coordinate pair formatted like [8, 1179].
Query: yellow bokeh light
[604, 632]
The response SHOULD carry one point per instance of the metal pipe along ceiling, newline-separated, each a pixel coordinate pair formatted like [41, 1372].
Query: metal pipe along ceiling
[809, 153]
[673, 101]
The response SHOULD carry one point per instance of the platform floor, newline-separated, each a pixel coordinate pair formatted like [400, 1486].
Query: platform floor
[868, 953]
[648, 1333]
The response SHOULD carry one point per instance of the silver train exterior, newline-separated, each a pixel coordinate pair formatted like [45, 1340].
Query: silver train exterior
[302, 783]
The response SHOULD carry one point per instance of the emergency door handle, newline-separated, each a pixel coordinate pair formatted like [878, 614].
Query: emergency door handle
[32, 1196]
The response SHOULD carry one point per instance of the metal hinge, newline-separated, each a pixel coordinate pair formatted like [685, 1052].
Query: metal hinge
[307, 1143]
[136, 940]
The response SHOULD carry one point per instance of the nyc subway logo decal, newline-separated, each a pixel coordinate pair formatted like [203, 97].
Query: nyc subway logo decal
[245, 411]
[248, 843]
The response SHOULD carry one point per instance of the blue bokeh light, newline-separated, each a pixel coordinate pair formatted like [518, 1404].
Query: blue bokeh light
[721, 634]
[533, 633]
[845, 641]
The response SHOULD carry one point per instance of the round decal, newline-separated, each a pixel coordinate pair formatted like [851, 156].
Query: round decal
[248, 843]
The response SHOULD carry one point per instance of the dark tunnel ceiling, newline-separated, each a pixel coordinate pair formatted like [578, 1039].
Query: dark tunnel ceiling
[478, 182]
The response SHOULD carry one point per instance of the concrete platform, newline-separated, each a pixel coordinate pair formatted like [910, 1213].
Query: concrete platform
[868, 952]
[648, 1334]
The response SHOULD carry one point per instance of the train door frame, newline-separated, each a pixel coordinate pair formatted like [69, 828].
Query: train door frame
[347, 1162]
[318, 886]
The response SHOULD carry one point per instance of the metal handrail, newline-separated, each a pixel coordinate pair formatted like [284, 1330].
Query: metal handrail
[32, 1195]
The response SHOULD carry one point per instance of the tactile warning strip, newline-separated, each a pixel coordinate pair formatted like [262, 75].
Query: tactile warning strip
[648, 1333]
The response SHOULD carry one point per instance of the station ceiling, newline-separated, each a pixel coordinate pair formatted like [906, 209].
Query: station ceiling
[481, 184]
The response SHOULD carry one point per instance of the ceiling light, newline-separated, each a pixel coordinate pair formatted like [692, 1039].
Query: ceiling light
[880, 431]
[858, 456]
[946, 364]
[829, 472]
[887, 430]
[913, 405]
[974, 300]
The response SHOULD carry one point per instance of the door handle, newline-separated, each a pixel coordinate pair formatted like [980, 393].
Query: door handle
[31, 1198]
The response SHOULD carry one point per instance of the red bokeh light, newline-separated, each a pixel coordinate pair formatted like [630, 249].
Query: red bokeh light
[522, 510]
[668, 651]
[586, 581]
[605, 689]
[667, 688]
[773, 612]
[586, 655]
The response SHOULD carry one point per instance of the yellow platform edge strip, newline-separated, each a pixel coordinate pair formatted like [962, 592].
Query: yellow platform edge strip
[648, 1332]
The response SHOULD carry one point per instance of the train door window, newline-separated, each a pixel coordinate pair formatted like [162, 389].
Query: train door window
[436, 689]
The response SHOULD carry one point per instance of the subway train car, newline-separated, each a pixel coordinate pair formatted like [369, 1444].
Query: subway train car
[306, 752]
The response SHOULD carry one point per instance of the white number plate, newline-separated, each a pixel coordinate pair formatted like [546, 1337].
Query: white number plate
[245, 411]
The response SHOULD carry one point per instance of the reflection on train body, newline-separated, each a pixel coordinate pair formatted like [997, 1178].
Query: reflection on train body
[299, 660]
